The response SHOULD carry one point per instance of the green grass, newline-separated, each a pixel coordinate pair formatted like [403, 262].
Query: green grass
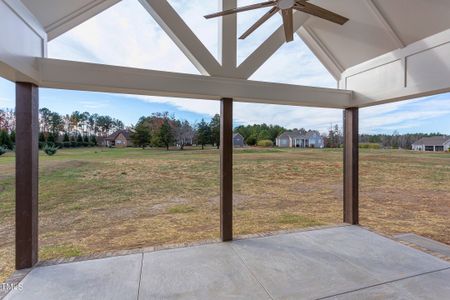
[299, 220]
[180, 209]
[60, 251]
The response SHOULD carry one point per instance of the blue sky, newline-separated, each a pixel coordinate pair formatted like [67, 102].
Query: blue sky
[126, 35]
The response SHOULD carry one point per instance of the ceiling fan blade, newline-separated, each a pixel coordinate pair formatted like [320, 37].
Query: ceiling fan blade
[258, 23]
[320, 12]
[288, 23]
[240, 9]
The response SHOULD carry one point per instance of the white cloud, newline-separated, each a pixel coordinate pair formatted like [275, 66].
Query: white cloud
[6, 102]
[403, 115]
[93, 104]
[124, 35]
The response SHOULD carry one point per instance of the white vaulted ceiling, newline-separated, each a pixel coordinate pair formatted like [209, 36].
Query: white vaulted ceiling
[375, 27]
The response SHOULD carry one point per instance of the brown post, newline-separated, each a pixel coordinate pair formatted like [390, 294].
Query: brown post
[27, 152]
[351, 161]
[226, 169]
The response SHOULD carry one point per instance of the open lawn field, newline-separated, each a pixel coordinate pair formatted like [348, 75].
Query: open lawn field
[100, 200]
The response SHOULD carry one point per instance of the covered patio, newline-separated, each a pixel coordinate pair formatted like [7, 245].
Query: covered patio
[388, 51]
[345, 262]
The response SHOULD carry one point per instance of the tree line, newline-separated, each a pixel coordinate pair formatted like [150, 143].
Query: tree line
[395, 140]
[335, 139]
[259, 132]
[164, 130]
[70, 130]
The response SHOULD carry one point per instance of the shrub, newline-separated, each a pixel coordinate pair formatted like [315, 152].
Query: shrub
[5, 140]
[251, 140]
[73, 144]
[50, 149]
[2, 150]
[66, 137]
[94, 140]
[66, 144]
[369, 146]
[264, 143]
[85, 144]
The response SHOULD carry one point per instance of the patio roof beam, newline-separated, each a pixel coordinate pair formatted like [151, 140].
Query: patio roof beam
[71, 75]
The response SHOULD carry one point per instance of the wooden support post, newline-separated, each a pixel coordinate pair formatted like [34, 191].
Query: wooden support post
[27, 152]
[351, 161]
[226, 169]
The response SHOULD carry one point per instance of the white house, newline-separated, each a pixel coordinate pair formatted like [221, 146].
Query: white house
[297, 139]
[435, 143]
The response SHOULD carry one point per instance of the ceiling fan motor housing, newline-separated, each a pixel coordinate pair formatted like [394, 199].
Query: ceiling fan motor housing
[285, 4]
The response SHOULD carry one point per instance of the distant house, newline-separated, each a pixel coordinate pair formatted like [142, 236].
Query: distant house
[119, 139]
[435, 143]
[298, 139]
[238, 140]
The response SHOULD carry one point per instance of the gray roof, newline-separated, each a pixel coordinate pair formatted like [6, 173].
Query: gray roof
[238, 134]
[295, 134]
[126, 133]
[433, 141]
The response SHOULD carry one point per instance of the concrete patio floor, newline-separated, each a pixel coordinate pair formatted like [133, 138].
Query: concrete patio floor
[346, 262]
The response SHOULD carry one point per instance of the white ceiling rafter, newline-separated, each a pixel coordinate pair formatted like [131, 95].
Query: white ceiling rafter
[228, 39]
[255, 60]
[182, 35]
[389, 29]
[322, 53]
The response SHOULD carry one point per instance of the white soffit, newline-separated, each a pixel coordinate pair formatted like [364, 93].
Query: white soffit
[59, 16]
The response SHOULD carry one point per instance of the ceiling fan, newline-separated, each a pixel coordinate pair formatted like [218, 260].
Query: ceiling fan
[286, 7]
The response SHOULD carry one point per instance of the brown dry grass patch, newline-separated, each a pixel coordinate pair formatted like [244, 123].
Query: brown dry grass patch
[94, 201]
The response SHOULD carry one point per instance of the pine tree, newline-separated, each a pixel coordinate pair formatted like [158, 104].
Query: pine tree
[141, 136]
[203, 133]
[66, 137]
[214, 126]
[166, 135]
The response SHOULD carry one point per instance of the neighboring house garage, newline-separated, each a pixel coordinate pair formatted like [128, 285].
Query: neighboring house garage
[435, 143]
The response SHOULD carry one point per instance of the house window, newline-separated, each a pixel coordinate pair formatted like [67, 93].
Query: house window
[429, 148]
[439, 148]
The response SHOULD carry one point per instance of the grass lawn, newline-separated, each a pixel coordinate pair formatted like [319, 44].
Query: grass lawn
[99, 200]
